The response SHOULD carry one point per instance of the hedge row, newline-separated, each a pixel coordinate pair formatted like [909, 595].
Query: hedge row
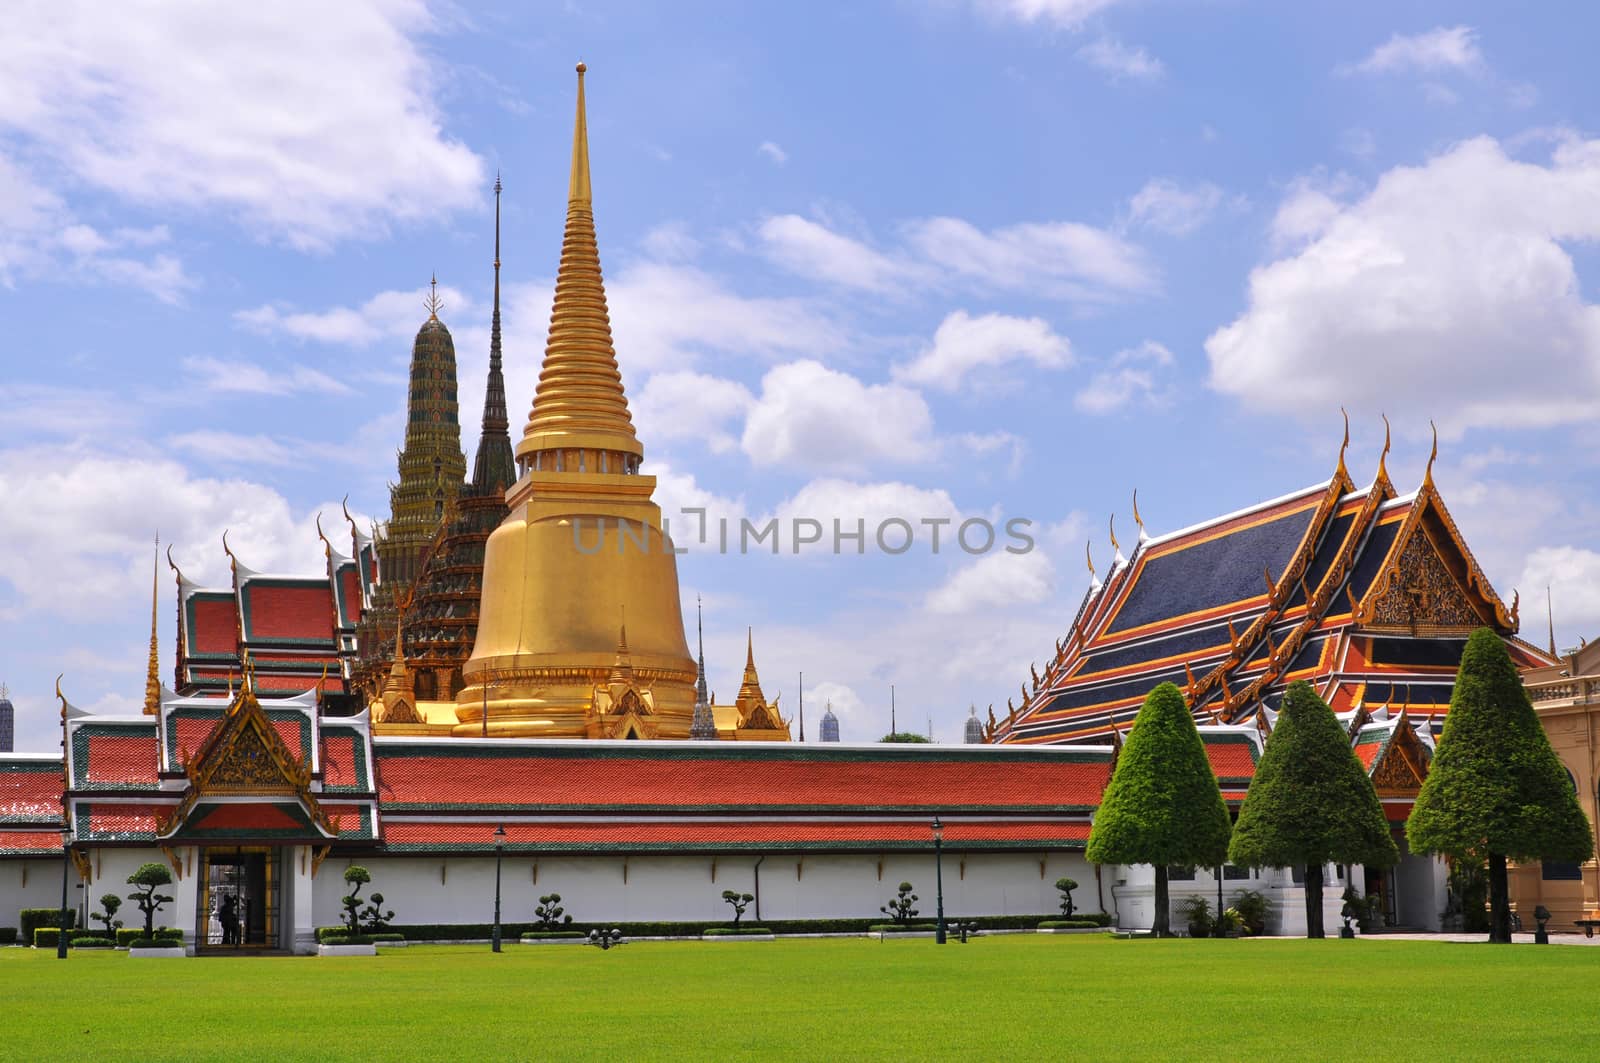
[126, 937]
[1070, 924]
[93, 943]
[728, 931]
[542, 935]
[46, 937]
[32, 919]
[8, 935]
[479, 931]
[325, 933]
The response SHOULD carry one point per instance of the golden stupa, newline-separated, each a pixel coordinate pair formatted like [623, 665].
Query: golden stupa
[581, 555]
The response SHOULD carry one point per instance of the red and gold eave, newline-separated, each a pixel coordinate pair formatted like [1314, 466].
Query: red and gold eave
[1368, 595]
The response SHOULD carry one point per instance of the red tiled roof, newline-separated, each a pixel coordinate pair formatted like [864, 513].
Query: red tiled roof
[1231, 760]
[646, 834]
[536, 779]
[30, 793]
[340, 752]
[1367, 752]
[122, 758]
[280, 611]
[30, 841]
[126, 819]
[216, 626]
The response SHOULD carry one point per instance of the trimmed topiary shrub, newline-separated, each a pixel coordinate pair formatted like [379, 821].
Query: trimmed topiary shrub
[1496, 790]
[550, 914]
[46, 937]
[31, 919]
[92, 943]
[1069, 924]
[147, 879]
[1311, 802]
[900, 905]
[360, 920]
[348, 939]
[1163, 805]
[738, 902]
[541, 935]
[728, 931]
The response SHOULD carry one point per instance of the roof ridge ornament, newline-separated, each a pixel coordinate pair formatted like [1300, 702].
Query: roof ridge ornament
[432, 303]
[1427, 473]
[1144, 536]
[1343, 472]
[1383, 458]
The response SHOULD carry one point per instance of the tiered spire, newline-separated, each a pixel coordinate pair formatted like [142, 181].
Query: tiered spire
[750, 694]
[703, 725]
[152, 679]
[495, 468]
[580, 403]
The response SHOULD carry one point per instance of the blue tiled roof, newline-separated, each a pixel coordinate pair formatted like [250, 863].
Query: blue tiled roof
[1213, 573]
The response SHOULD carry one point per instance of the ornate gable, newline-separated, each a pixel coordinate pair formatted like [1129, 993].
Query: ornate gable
[1431, 584]
[1402, 764]
[244, 755]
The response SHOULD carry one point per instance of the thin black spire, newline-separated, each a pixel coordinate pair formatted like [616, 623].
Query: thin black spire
[703, 724]
[495, 468]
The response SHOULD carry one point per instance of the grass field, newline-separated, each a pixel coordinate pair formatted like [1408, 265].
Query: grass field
[1010, 997]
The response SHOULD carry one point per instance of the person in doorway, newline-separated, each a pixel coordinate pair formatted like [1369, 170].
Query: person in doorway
[228, 916]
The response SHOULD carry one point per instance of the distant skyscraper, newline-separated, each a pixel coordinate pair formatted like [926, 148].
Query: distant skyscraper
[7, 720]
[830, 725]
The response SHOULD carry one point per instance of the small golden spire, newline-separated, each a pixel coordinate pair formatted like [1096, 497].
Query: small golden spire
[1115, 546]
[1136, 518]
[1343, 472]
[1088, 557]
[578, 190]
[152, 679]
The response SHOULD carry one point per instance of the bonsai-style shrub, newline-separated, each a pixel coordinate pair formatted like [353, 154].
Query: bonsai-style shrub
[1252, 908]
[1163, 805]
[110, 902]
[373, 917]
[1311, 802]
[900, 907]
[549, 912]
[148, 879]
[1196, 914]
[739, 902]
[1066, 886]
[1496, 790]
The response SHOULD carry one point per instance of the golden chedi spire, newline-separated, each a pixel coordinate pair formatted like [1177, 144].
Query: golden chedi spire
[152, 679]
[579, 403]
[582, 542]
[749, 696]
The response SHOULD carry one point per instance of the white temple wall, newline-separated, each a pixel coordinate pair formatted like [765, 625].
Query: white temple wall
[31, 884]
[611, 888]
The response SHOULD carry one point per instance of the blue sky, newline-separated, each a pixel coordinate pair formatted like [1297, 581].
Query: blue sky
[998, 258]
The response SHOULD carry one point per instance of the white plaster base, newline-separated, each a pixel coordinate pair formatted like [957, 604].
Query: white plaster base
[347, 950]
[176, 953]
[391, 944]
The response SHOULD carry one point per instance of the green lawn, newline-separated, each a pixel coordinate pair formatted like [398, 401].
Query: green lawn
[1011, 997]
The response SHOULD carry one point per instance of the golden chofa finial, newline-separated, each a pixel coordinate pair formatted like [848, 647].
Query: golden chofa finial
[1427, 474]
[1343, 473]
[1115, 546]
[1383, 458]
[1143, 535]
[1088, 558]
[432, 303]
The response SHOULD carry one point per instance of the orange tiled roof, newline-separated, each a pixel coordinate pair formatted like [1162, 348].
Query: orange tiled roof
[554, 778]
[24, 842]
[779, 834]
[115, 758]
[31, 791]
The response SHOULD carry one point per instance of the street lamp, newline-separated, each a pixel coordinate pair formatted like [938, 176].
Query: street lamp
[66, 866]
[938, 876]
[499, 848]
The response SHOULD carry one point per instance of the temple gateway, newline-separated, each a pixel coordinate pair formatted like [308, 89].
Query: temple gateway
[501, 669]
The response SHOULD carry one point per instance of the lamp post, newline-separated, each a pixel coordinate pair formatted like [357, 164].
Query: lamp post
[66, 866]
[938, 876]
[499, 848]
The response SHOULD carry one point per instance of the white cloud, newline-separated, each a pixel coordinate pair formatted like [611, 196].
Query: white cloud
[1135, 375]
[685, 405]
[853, 505]
[1068, 14]
[964, 343]
[1176, 209]
[809, 416]
[1064, 260]
[387, 315]
[1440, 50]
[1420, 295]
[996, 580]
[65, 558]
[246, 378]
[1573, 575]
[1110, 56]
[813, 250]
[773, 152]
[312, 122]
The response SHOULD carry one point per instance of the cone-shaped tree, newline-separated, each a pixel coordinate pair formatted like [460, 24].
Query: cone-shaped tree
[1496, 789]
[1163, 805]
[1310, 802]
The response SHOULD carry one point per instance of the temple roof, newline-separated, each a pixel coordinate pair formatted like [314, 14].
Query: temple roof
[1360, 590]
